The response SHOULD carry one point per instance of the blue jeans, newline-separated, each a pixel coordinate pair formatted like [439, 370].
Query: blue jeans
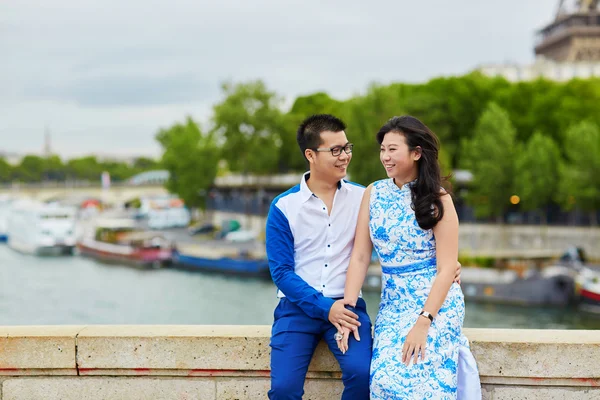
[294, 338]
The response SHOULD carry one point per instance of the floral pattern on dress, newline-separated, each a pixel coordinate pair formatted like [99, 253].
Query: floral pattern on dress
[407, 256]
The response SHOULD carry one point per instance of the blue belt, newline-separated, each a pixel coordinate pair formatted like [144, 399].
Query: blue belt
[425, 265]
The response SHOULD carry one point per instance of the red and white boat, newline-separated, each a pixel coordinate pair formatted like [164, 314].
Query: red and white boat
[588, 288]
[119, 241]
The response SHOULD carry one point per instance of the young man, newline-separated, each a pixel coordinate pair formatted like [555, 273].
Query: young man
[310, 232]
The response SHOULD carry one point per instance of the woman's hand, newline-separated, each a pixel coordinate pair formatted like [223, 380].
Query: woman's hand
[415, 341]
[343, 342]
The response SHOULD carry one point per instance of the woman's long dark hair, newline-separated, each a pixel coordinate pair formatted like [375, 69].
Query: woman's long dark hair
[426, 192]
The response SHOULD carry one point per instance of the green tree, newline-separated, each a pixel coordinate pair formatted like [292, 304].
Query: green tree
[142, 164]
[531, 107]
[537, 172]
[251, 124]
[451, 106]
[364, 116]
[316, 103]
[577, 100]
[31, 169]
[365, 166]
[580, 177]
[290, 156]
[118, 170]
[6, 171]
[191, 158]
[84, 168]
[54, 169]
[490, 156]
[445, 162]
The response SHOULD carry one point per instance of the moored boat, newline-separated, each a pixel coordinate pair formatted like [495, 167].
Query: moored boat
[120, 241]
[550, 286]
[588, 290]
[218, 256]
[40, 228]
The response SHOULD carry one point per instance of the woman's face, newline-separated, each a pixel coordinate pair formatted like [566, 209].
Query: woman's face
[397, 159]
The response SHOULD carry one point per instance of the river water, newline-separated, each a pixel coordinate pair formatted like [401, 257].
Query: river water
[75, 290]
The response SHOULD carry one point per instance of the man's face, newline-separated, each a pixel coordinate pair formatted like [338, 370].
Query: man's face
[324, 163]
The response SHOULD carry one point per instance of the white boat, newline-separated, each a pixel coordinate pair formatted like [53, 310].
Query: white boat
[39, 228]
[5, 203]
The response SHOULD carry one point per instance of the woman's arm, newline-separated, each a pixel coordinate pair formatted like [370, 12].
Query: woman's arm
[446, 240]
[446, 244]
[361, 252]
[359, 263]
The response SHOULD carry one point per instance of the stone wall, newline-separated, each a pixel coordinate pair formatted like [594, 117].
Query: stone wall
[520, 239]
[488, 239]
[232, 362]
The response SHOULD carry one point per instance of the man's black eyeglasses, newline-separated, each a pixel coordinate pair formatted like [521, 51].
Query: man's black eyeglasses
[337, 150]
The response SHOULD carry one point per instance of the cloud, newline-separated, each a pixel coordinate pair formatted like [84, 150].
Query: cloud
[82, 66]
[128, 90]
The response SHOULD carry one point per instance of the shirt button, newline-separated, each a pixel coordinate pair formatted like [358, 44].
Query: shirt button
[329, 224]
[328, 245]
[323, 285]
[325, 265]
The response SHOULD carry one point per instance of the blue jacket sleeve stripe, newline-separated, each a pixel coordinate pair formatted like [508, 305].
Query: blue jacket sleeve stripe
[280, 252]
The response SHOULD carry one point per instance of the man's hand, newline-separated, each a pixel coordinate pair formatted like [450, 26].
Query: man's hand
[456, 275]
[341, 317]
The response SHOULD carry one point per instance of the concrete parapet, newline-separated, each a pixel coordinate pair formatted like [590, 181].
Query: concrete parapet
[537, 355]
[235, 350]
[232, 362]
[38, 350]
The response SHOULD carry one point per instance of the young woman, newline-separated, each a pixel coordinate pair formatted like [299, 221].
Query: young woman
[411, 221]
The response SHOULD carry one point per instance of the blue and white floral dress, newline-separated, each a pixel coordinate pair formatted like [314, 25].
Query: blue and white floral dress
[407, 256]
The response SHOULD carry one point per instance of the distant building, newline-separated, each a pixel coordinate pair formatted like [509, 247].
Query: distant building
[107, 157]
[11, 158]
[543, 68]
[47, 143]
[157, 177]
[567, 48]
[574, 35]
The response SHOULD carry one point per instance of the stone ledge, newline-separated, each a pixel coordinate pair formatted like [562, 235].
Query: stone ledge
[38, 350]
[184, 350]
[505, 357]
[537, 354]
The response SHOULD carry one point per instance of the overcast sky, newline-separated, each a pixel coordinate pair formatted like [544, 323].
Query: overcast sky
[104, 76]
